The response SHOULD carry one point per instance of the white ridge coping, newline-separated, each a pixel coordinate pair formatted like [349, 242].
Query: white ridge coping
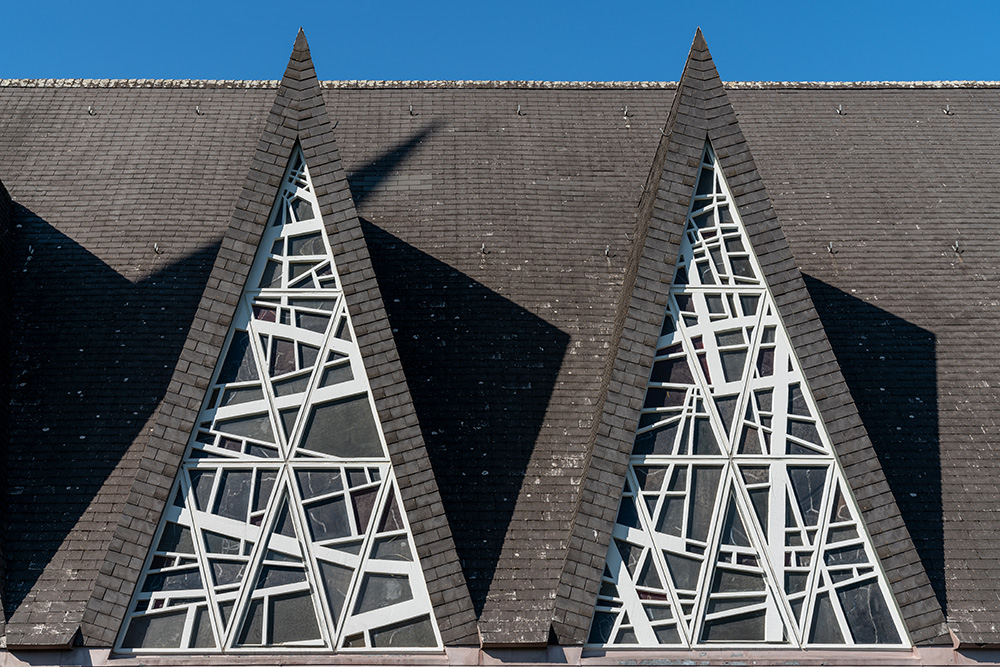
[529, 85]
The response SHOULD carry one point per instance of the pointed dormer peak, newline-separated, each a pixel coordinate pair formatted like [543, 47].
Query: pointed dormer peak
[301, 47]
[699, 65]
[699, 41]
[300, 75]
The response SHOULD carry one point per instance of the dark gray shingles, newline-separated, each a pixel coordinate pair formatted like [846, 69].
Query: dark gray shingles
[893, 183]
[6, 325]
[100, 312]
[547, 192]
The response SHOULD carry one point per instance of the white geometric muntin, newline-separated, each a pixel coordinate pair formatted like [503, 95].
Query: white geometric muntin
[736, 524]
[286, 531]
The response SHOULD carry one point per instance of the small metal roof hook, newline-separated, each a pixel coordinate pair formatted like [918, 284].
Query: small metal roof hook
[519, 112]
[840, 109]
[625, 112]
[197, 110]
[411, 111]
[483, 249]
[829, 247]
[607, 250]
[955, 247]
[90, 110]
[947, 110]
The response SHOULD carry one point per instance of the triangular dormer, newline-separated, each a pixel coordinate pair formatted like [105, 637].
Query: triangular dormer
[717, 488]
[284, 501]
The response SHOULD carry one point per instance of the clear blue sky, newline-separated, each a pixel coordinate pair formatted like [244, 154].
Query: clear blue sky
[475, 39]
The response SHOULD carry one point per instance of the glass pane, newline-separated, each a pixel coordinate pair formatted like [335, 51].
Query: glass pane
[704, 438]
[237, 396]
[674, 371]
[254, 624]
[225, 573]
[630, 554]
[391, 518]
[271, 277]
[202, 637]
[868, 615]
[257, 427]
[627, 514]
[318, 482]
[271, 576]
[704, 484]
[239, 365]
[683, 570]
[265, 485]
[292, 618]
[291, 386]
[602, 627]
[661, 398]
[747, 627]
[336, 375]
[671, 517]
[302, 209]
[307, 244]
[657, 441]
[155, 631]
[392, 548]
[364, 503]
[382, 590]
[175, 580]
[328, 519]
[344, 428]
[337, 581]
[234, 494]
[407, 634]
[732, 364]
[310, 322]
[176, 538]
[825, 628]
[808, 484]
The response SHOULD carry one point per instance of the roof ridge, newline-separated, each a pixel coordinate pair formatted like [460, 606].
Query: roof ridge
[489, 84]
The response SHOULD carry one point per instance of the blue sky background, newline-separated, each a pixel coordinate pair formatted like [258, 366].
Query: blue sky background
[423, 39]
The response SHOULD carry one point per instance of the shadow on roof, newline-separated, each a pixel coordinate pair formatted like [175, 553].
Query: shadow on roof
[91, 358]
[367, 179]
[481, 371]
[891, 367]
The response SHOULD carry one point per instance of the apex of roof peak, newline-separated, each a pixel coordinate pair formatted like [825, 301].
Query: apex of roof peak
[301, 44]
[699, 40]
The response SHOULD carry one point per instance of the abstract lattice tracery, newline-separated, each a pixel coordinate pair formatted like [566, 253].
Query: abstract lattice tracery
[286, 529]
[736, 524]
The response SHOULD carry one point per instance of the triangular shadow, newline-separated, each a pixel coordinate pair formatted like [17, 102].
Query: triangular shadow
[891, 367]
[90, 361]
[481, 370]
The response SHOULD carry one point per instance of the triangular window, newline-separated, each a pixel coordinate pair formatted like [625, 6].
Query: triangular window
[285, 529]
[736, 524]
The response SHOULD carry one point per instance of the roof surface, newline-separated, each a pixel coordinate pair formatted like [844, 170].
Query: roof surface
[500, 241]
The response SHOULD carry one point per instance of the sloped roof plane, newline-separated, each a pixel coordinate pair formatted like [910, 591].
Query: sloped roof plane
[510, 275]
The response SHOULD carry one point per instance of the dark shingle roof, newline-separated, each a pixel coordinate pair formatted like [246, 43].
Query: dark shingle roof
[504, 350]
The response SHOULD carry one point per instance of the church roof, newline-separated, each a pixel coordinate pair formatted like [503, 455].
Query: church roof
[495, 258]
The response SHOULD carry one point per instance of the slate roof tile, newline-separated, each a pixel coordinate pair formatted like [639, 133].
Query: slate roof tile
[911, 322]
